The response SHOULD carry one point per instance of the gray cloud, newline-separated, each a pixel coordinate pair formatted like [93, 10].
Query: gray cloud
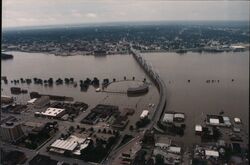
[48, 12]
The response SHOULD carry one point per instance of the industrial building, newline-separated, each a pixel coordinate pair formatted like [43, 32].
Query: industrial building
[168, 118]
[102, 112]
[168, 152]
[73, 144]
[173, 117]
[217, 120]
[52, 113]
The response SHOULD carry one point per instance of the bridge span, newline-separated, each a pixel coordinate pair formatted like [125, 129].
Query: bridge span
[159, 83]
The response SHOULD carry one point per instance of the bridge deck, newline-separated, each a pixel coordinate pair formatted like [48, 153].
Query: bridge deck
[159, 83]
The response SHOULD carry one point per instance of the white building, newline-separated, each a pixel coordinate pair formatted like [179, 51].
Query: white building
[214, 121]
[73, 144]
[173, 149]
[168, 118]
[179, 117]
[52, 112]
[237, 120]
[198, 128]
[144, 114]
[212, 153]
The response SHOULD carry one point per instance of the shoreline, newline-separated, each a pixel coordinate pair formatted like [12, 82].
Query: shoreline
[178, 51]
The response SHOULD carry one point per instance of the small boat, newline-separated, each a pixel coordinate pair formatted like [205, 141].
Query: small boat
[98, 89]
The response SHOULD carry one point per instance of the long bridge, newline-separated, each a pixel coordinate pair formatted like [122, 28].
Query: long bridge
[159, 83]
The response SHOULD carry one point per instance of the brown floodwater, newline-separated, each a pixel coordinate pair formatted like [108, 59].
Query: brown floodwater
[195, 98]
[30, 65]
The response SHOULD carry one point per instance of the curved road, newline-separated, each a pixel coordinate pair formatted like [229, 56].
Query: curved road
[159, 83]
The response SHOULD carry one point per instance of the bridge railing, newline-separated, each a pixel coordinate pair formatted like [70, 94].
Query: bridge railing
[159, 83]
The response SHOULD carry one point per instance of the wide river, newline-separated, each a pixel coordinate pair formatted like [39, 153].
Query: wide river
[195, 98]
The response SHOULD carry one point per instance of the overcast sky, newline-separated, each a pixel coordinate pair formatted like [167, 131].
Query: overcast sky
[51, 12]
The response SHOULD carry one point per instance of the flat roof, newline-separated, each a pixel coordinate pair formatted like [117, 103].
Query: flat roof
[214, 121]
[212, 153]
[179, 115]
[174, 149]
[237, 120]
[64, 144]
[70, 144]
[162, 145]
[168, 117]
[198, 128]
[52, 112]
[225, 118]
[144, 113]
[237, 46]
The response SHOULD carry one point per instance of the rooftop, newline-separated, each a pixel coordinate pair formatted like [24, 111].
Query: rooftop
[198, 128]
[52, 112]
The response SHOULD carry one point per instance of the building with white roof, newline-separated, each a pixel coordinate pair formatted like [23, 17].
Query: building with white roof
[174, 149]
[211, 153]
[52, 112]
[218, 120]
[64, 145]
[237, 120]
[144, 114]
[168, 118]
[179, 117]
[198, 128]
[73, 144]
[214, 121]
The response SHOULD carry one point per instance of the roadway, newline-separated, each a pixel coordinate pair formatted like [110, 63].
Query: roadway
[159, 83]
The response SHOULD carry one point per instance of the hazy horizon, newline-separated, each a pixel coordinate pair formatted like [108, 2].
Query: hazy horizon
[31, 13]
[127, 23]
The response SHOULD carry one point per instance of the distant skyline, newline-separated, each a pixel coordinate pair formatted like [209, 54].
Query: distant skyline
[18, 13]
